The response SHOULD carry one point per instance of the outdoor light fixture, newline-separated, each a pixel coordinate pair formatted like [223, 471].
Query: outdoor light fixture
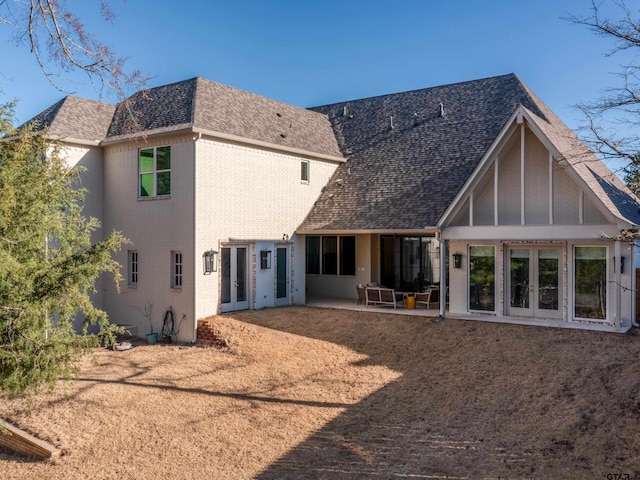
[265, 259]
[457, 260]
[210, 261]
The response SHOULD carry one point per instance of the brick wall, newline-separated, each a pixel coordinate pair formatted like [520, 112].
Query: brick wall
[20, 441]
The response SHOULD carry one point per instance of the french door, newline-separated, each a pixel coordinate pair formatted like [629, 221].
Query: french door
[534, 281]
[234, 275]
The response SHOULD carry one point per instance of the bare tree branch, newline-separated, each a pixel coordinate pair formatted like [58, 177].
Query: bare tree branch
[61, 44]
[619, 107]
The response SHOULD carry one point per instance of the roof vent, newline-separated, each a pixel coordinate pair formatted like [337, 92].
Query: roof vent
[344, 111]
[283, 135]
[391, 121]
[441, 109]
[279, 114]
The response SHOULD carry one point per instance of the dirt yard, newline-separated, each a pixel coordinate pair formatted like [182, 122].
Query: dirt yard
[333, 394]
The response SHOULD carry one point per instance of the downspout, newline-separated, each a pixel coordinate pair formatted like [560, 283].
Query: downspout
[194, 339]
[634, 285]
[443, 273]
[618, 285]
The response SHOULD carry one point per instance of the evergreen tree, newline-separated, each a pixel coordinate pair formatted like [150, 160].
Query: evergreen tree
[48, 264]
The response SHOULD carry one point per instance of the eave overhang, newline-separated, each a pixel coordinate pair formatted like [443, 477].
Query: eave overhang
[188, 129]
[399, 231]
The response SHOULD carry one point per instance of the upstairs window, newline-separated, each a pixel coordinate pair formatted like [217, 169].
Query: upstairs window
[154, 167]
[304, 171]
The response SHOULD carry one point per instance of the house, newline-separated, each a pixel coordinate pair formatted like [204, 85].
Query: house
[208, 183]
[234, 201]
[479, 187]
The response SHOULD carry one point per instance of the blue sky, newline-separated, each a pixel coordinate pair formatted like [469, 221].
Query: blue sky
[309, 53]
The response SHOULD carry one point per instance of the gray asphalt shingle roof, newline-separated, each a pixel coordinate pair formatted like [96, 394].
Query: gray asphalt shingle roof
[209, 106]
[196, 104]
[409, 153]
[76, 118]
[408, 157]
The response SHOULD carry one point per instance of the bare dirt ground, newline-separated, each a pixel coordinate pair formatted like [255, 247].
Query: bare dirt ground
[334, 394]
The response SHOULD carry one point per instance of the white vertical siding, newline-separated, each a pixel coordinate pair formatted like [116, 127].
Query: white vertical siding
[536, 190]
[483, 201]
[566, 198]
[509, 187]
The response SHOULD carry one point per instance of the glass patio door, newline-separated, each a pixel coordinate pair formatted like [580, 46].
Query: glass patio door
[234, 275]
[282, 276]
[534, 286]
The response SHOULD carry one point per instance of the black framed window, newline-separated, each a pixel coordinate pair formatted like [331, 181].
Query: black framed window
[331, 255]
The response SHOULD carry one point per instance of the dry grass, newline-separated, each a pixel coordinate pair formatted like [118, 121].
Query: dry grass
[321, 393]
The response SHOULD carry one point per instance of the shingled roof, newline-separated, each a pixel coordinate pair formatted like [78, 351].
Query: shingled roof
[209, 107]
[196, 105]
[410, 153]
[76, 119]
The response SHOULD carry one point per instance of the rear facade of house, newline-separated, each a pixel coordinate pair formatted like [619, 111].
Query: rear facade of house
[233, 201]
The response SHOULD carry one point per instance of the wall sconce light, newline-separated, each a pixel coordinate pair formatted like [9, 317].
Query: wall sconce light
[209, 262]
[457, 260]
[265, 259]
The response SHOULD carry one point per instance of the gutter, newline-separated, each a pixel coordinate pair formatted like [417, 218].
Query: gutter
[188, 129]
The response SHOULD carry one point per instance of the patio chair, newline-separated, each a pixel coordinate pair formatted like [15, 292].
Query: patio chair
[429, 296]
[362, 297]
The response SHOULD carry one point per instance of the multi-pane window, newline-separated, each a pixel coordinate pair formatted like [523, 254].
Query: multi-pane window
[132, 270]
[304, 171]
[482, 278]
[347, 255]
[154, 171]
[313, 255]
[590, 295]
[331, 255]
[176, 269]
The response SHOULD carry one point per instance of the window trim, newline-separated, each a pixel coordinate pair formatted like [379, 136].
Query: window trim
[177, 269]
[606, 284]
[133, 268]
[322, 258]
[304, 173]
[155, 173]
[495, 280]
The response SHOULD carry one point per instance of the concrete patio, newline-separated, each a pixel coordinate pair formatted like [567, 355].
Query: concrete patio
[351, 304]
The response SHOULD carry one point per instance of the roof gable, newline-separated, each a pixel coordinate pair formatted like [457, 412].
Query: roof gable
[610, 191]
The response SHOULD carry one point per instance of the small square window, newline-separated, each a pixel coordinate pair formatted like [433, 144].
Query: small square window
[304, 171]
